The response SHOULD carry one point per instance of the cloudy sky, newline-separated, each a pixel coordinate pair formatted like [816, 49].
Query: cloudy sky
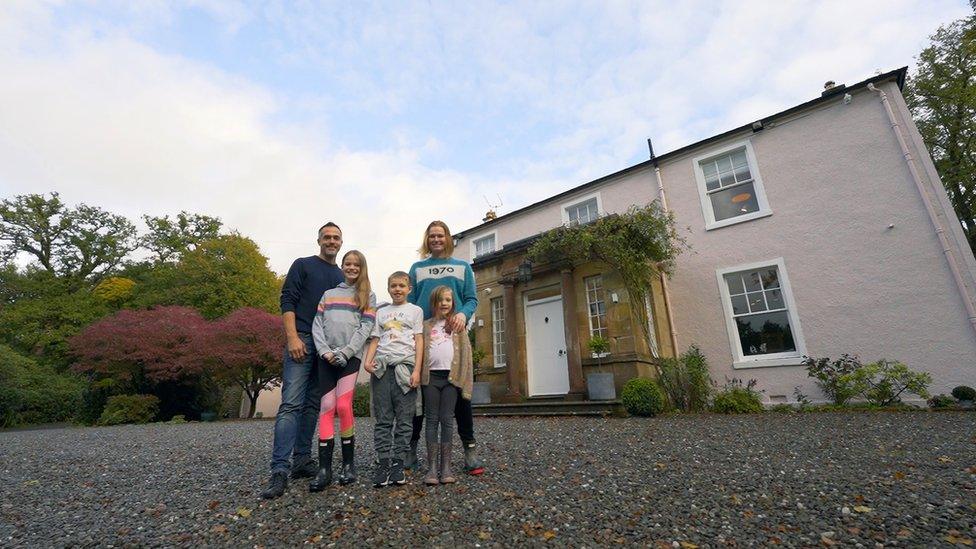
[277, 116]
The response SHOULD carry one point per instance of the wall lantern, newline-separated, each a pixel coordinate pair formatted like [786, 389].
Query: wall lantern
[524, 271]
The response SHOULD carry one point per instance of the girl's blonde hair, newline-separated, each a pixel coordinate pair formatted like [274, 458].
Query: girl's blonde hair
[362, 285]
[448, 245]
[435, 296]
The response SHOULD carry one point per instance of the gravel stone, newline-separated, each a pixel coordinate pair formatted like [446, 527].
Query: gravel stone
[855, 479]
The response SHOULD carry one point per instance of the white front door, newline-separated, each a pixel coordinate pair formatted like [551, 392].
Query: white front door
[545, 342]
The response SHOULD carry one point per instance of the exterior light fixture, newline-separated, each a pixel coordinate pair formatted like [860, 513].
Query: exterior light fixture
[524, 271]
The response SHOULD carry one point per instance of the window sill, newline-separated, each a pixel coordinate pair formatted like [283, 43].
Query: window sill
[599, 355]
[767, 363]
[737, 220]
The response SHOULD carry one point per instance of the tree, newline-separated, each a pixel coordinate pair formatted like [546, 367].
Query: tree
[942, 99]
[142, 347]
[169, 239]
[76, 244]
[219, 276]
[245, 348]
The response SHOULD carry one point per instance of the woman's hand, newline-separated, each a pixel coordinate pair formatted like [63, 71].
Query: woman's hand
[458, 322]
[415, 379]
[370, 366]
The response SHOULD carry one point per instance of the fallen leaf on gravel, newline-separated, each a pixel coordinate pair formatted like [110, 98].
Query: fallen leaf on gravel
[971, 470]
[337, 533]
[688, 545]
[549, 534]
[220, 529]
[899, 475]
[854, 530]
[827, 542]
[859, 498]
[862, 509]
[904, 533]
[945, 459]
[315, 539]
[957, 540]
[425, 519]
[364, 512]
[32, 482]
[244, 512]
[213, 505]
[735, 499]
[775, 540]
[484, 535]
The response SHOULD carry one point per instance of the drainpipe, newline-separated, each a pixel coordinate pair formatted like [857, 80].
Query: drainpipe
[939, 230]
[664, 279]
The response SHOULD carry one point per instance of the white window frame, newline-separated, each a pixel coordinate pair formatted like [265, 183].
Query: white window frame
[793, 358]
[565, 206]
[606, 310]
[757, 183]
[498, 337]
[474, 247]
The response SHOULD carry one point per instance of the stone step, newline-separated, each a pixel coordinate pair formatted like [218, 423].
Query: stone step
[550, 408]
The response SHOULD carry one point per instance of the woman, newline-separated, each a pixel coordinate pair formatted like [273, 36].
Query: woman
[438, 268]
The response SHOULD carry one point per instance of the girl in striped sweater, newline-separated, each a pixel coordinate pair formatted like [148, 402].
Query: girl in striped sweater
[341, 328]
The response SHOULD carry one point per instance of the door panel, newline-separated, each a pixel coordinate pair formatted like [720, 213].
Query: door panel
[545, 341]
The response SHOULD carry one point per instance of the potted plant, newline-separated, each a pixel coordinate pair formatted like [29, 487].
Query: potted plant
[599, 385]
[481, 391]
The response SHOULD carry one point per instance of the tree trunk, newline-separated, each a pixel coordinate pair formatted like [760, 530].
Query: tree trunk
[253, 398]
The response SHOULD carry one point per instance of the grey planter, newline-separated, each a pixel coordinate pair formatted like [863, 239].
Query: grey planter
[600, 387]
[481, 393]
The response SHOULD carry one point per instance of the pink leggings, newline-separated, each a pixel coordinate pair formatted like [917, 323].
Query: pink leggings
[338, 385]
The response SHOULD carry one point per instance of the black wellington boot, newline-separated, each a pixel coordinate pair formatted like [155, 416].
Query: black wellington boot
[348, 474]
[324, 476]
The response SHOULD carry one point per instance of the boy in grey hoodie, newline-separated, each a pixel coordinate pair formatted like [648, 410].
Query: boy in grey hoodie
[394, 358]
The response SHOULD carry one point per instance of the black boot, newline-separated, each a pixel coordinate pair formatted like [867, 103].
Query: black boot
[381, 475]
[276, 486]
[348, 474]
[324, 476]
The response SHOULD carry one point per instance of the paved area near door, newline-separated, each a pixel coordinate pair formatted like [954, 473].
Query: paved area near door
[897, 479]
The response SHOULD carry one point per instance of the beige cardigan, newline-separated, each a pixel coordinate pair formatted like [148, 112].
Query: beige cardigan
[462, 369]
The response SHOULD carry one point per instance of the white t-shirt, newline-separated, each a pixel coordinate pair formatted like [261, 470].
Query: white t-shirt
[441, 347]
[396, 326]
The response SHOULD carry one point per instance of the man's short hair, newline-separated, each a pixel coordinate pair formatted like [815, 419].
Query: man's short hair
[329, 224]
[398, 275]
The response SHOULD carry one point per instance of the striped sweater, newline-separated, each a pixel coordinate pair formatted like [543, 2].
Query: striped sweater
[339, 326]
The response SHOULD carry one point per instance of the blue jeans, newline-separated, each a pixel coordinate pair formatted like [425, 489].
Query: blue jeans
[299, 409]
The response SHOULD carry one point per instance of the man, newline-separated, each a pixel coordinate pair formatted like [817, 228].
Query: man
[308, 278]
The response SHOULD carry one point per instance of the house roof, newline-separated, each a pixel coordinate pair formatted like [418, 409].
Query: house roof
[898, 75]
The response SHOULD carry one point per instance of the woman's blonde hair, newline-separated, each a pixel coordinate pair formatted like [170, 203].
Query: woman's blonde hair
[448, 244]
[362, 285]
[435, 296]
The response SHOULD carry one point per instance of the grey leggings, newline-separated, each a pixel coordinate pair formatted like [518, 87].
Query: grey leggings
[440, 398]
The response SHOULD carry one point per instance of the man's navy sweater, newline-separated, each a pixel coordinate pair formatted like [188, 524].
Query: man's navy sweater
[308, 278]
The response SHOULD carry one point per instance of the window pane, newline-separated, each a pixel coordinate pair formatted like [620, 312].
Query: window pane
[708, 168]
[752, 281]
[734, 282]
[739, 305]
[739, 158]
[756, 302]
[711, 183]
[734, 202]
[724, 164]
[742, 174]
[770, 279]
[728, 179]
[774, 298]
[765, 333]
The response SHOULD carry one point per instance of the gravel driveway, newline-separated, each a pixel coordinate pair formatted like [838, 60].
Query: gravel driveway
[846, 479]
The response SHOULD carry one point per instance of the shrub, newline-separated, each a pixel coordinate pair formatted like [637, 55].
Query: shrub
[738, 398]
[129, 409]
[35, 393]
[783, 408]
[598, 345]
[835, 378]
[883, 382]
[941, 402]
[360, 400]
[477, 356]
[642, 397]
[963, 392]
[685, 380]
[177, 419]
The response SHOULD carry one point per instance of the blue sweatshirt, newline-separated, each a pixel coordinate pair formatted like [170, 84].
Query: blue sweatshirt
[307, 279]
[456, 274]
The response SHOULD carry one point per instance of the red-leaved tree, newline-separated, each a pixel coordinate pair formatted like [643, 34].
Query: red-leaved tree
[245, 348]
[140, 346]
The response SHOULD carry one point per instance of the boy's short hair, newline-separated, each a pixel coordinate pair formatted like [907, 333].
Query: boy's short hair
[396, 275]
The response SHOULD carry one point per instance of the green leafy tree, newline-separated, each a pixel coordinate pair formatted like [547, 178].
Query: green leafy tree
[79, 244]
[34, 393]
[168, 239]
[219, 276]
[942, 98]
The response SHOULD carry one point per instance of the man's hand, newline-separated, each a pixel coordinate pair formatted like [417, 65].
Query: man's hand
[296, 349]
[370, 366]
[415, 379]
[457, 322]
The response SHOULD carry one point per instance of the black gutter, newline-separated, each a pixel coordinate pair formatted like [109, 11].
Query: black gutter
[897, 74]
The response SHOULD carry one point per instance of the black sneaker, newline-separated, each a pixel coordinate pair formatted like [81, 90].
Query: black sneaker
[306, 470]
[276, 486]
[396, 472]
[381, 476]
